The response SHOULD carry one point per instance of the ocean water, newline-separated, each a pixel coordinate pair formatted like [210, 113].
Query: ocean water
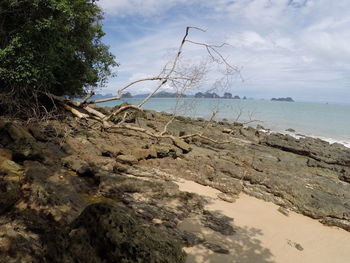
[330, 122]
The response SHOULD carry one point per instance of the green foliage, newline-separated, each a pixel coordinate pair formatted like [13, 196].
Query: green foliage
[52, 45]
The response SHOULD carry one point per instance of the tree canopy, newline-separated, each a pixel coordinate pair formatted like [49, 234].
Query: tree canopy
[53, 46]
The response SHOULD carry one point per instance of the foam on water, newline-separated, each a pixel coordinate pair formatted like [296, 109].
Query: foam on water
[298, 136]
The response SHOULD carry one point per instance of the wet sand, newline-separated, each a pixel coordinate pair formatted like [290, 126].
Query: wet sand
[263, 234]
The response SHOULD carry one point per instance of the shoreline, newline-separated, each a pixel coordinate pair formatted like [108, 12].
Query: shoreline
[70, 173]
[298, 135]
[274, 126]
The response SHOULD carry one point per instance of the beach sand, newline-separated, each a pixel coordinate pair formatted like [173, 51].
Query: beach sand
[263, 234]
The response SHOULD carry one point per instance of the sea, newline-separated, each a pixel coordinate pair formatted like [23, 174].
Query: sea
[330, 122]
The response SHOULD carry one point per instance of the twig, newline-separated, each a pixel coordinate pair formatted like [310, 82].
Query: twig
[166, 126]
[87, 97]
[120, 110]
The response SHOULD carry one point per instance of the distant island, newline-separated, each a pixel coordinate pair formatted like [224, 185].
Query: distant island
[165, 94]
[126, 95]
[214, 95]
[288, 99]
[207, 95]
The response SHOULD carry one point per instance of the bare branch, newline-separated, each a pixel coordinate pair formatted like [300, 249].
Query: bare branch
[120, 110]
[105, 100]
[75, 111]
[95, 112]
[206, 138]
[165, 79]
[209, 122]
[178, 75]
[119, 93]
[87, 97]
[165, 130]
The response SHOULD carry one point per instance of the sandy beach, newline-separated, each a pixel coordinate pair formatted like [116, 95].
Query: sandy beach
[263, 234]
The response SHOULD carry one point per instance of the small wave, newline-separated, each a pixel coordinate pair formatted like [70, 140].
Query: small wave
[298, 136]
[332, 141]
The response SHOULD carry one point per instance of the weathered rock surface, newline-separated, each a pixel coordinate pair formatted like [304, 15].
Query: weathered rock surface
[314, 148]
[10, 176]
[218, 222]
[9, 191]
[20, 142]
[49, 174]
[51, 192]
[110, 233]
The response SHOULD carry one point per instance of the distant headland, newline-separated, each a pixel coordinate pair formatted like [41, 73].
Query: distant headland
[165, 94]
[288, 99]
[201, 95]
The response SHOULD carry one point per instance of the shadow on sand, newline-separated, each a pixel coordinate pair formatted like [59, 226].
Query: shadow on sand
[243, 246]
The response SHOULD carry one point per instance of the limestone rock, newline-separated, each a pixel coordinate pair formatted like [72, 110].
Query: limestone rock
[21, 142]
[166, 150]
[110, 233]
[310, 147]
[52, 191]
[10, 168]
[227, 198]
[10, 175]
[216, 248]
[345, 175]
[9, 192]
[128, 159]
[218, 222]
[283, 211]
[185, 147]
[6, 154]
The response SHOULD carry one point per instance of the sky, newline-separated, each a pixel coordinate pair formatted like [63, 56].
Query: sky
[295, 48]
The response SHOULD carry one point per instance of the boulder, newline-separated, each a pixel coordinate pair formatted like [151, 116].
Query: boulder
[345, 175]
[9, 167]
[22, 144]
[107, 232]
[250, 133]
[9, 192]
[51, 190]
[185, 147]
[5, 153]
[79, 166]
[127, 159]
[145, 153]
[166, 150]
[10, 175]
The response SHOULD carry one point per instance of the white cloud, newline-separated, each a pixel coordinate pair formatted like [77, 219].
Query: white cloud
[281, 44]
[139, 7]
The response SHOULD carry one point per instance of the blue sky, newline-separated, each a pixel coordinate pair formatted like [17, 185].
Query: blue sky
[298, 48]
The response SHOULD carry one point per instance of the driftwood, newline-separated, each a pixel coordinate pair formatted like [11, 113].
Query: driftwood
[83, 109]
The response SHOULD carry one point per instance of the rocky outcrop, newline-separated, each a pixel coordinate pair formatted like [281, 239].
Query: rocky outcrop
[92, 190]
[10, 176]
[310, 147]
[20, 142]
[110, 233]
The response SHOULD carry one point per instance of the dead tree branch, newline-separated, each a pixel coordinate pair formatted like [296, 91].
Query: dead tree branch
[173, 74]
